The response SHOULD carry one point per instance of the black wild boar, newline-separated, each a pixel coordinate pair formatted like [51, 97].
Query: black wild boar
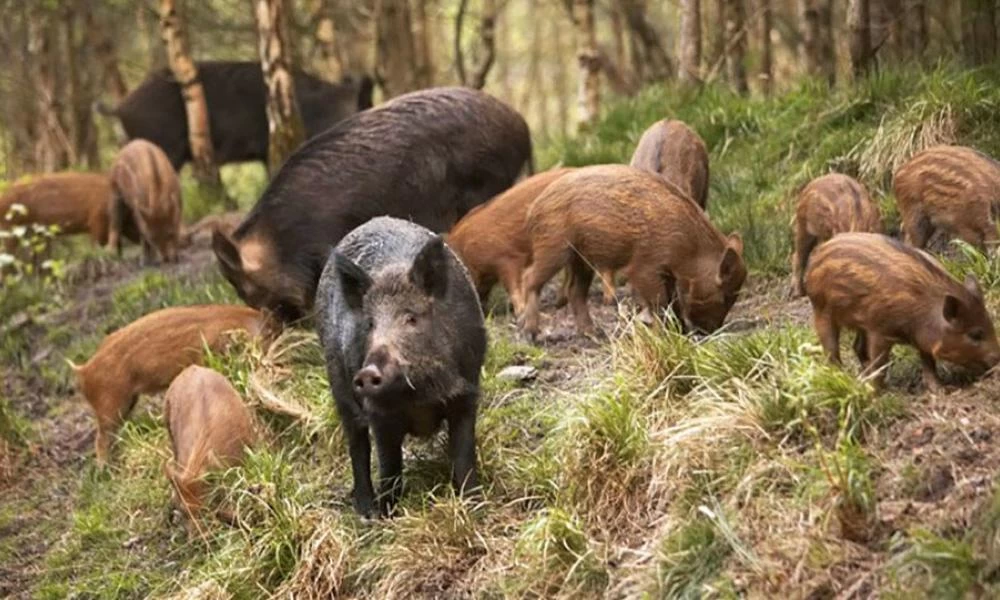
[403, 334]
[236, 98]
[428, 157]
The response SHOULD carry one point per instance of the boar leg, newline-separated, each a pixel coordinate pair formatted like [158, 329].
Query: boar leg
[879, 350]
[917, 229]
[829, 336]
[510, 278]
[608, 282]
[804, 244]
[861, 348]
[358, 443]
[929, 372]
[462, 448]
[116, 220]
[562, 296]
[581, 276]
[389, 445]
[547, 263]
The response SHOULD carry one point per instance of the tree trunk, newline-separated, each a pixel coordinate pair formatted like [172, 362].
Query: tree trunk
[186, 74]
[325, 40]
[561, 80]
[284, 123]
[395, 51]
[978, 32]
[656, 62]
[809, 26]
[83, 78]
[916, 29]
[736, 46]
[859, 27]
[618, 33]
[766, 51]
[886, 31]
[828, 45]
[589, 63]
[690, 50]
[424, 74]
[718, 49]
[51, 142]
[487, 37]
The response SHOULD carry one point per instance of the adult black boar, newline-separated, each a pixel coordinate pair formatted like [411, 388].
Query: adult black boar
[237, 117]
[403, 334]
[429, 157]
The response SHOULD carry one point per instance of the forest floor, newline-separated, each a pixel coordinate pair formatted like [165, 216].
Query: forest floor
[930, 464]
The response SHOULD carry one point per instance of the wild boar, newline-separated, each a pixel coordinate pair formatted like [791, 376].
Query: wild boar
[76, 202]
[614, 217]
[676, 152]
[210, 428]
[237, 117]
[145, 356]
[950, 190]
[144, 184]
[404, 339]
[890, 293]
[429, 156]
[829, 205]
[493, 244]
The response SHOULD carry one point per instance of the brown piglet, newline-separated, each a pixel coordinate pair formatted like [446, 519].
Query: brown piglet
[829, 205]
[952, 190]
[210, 428]
[145, 356]
[75, 202]
[614, 217]
[677, 153]
[891, 293]
[144, 183]
[492, 242]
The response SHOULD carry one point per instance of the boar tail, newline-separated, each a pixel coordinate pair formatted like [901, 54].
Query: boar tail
[72, 365]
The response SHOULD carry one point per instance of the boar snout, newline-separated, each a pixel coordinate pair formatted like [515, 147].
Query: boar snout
[368, 381]
[379, 374]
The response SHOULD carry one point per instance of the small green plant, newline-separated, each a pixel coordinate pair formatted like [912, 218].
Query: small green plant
[970, 261]
[848, 472]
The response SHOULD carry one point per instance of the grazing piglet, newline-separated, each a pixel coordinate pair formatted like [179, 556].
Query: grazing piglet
[145, 356]
[829, 205]
[952, 190]
[76, 202]
[493, 244]
[676, 152]
[611, 217]
[209, 428]
[144, 183]
[891, 294]
[403, 334]
[428, 157]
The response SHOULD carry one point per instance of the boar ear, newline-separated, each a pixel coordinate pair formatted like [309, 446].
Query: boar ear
[972, 284]
[730, 264]
[354, 282]
[735, 241]
[952, 308]
[226, 251]
[430, 268]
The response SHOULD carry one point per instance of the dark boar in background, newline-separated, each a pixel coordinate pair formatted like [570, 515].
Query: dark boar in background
[829, 205]
[891, 293]
[236, 98]
[677, 153]
[404, 339]
[951, 190]
[144, 184]
[614, 217]
[429, 157]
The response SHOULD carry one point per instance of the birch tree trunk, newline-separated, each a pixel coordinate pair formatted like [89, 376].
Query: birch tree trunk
[736, 46]
[859, 27]
[589, 64]
[186, 74]
[284, 122]
[690, 50]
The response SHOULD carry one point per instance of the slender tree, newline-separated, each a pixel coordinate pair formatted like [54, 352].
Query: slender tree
[284, 122]
[487, 38]
[690, 50]
[589, 63]
[325, 40]
[859, 28]
[766, 73]
[736, 46]
[193, 92]
[979, 31]
[915, 28]
[423, 43]
[395, 49]
[51, 149]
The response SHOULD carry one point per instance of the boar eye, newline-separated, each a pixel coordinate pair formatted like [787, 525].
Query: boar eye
[411, 319]
[976, 335]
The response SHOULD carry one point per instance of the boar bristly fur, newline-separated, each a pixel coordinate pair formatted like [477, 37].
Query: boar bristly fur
[891, 293]
[614, 217]
[145, 356]
[75, 202]
[829, 205]
[429, 157]
[950, 190]
[677, 153]
[210, 428]
[144, 183]
[403, 334]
